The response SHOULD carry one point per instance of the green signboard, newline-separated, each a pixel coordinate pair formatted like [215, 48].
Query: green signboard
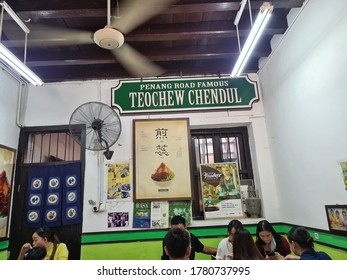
[171, 95]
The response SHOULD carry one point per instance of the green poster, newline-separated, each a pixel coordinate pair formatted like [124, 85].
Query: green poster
[181, 208]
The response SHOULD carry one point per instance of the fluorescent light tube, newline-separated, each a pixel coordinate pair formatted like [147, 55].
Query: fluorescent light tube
[11, 60]
[257, 29]
[8, 57]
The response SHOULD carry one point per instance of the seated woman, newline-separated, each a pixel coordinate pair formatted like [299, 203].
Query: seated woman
[301, 243]
[244, 247]
[44, 237]
[270, 244]
[225, 246]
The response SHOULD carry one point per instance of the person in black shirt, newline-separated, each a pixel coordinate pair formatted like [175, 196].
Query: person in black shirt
[301, 243]
[196, 245]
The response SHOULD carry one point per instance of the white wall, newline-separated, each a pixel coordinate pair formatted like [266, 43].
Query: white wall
[53, 104]
[9, 130]
[9, 92]
[304, 89]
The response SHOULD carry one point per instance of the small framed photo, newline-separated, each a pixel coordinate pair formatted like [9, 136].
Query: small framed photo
[337, 218]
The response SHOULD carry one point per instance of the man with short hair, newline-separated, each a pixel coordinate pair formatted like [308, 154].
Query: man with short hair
[196, 245]
[177, 244]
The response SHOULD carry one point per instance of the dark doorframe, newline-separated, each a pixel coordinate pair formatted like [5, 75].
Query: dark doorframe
[19, 234]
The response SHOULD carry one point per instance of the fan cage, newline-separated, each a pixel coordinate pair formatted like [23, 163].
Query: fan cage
[102, 125]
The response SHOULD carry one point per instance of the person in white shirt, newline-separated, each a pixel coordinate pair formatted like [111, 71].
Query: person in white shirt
[225, 246]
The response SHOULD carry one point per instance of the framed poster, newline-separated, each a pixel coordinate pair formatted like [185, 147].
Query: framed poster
[162, 159]
[7, 160]
[337, 218]
[220, 188]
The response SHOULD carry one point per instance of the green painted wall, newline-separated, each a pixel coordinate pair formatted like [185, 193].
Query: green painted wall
[325, 238]
[126, 245]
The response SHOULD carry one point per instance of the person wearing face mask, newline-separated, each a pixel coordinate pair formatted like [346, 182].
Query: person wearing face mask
[45, 237]
[225, 246]
[271, 244]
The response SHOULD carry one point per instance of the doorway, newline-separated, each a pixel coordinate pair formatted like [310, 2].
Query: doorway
[43, 147]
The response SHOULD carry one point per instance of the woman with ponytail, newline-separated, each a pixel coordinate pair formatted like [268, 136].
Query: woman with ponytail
[301, 243]
[44, 237]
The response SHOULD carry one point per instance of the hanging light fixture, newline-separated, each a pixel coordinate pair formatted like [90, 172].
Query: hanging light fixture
[13, 62]
[8, 58]
[257, 29]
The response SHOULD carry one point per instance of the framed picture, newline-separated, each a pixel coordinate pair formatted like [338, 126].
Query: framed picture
[162, 169]
[7, 160]
[337, 218]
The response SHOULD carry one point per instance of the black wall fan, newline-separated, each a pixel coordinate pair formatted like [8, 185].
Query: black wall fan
[102, 126]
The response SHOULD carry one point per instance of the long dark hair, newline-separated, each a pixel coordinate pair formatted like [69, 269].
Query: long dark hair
[264, 225]
[244, 247]
[301, 236]
[236, 224]
[46, 232]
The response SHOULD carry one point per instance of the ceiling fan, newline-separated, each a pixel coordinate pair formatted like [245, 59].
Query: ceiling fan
[112, 36]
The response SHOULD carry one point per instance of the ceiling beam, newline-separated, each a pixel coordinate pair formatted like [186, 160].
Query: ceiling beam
[180, 34]
[175, 9]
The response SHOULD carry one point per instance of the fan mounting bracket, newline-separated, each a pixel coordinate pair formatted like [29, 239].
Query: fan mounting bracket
[108, 38]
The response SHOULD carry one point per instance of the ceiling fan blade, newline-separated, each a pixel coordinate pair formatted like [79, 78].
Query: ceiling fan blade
[44, 35]
[136, 12]
[135, 63]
